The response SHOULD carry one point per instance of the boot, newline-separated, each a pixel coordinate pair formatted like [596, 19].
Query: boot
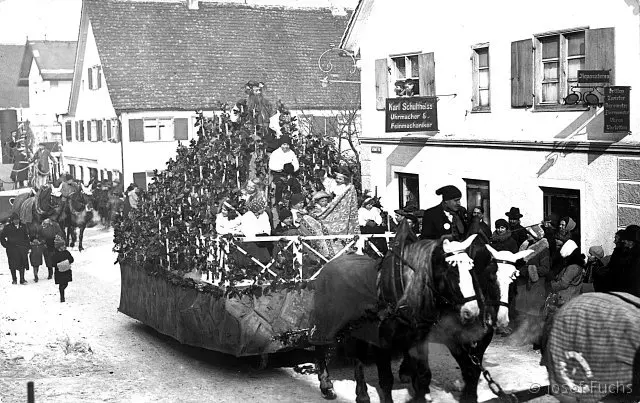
[50, 273]
[22, 280]
[14, 278]
[35, 273]
[61, 294]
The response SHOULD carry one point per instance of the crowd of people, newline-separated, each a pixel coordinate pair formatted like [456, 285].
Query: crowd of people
[34, 245]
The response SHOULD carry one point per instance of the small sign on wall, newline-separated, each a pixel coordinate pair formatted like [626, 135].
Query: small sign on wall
[593, 76]
[376, 150]
[616, 109]
[410, 114]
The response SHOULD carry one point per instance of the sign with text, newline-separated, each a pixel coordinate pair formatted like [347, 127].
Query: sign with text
[616, 109]
[593, 76]
[411, 114]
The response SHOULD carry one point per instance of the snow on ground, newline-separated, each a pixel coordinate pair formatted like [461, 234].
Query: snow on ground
[83, 350]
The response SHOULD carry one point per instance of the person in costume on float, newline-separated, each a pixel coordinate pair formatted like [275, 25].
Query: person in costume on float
[278, 161]
[228, 221]
[321, 200]
[255, 223]
[447, 219]
[370, 222]
[342, 184]
[297, 208]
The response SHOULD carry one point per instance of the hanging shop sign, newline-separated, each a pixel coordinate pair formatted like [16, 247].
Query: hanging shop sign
[616, 109]
[411, 114]
[593, 76]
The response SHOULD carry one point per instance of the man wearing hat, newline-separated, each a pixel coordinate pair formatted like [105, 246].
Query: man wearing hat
[518, 232]
[446, 219]
[321, 199]
[278, 160]
[296, 204]
[41, 159]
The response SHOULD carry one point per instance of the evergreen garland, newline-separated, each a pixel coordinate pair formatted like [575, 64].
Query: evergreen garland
[172, 232]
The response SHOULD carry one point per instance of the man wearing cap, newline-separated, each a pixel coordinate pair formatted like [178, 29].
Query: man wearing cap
[446, 219]
[517, 231]
[284, 155]
[321, 200]
[296, 204]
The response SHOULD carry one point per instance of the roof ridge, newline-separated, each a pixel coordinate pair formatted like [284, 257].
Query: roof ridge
[230, 5]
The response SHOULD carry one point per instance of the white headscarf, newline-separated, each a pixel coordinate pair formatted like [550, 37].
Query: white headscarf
[568, 248]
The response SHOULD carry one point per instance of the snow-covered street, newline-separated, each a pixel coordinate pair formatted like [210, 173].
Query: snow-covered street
[84, 350]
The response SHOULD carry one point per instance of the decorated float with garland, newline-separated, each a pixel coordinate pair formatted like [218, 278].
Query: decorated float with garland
[183, 279]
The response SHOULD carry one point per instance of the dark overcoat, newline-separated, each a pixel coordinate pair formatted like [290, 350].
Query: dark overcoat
[16, 241]
[435, 224]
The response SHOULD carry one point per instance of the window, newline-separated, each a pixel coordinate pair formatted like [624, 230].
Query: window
[407, 75]
[409, 190]
[564, 203]
[72, 171]
[91, 129]
[81, 169]
[93, 174]
[102, 174]
[140, 179]
[67, 130]
[478, 195]
[109, 124]
[110, 176]
[94, 77]
[480, 71]
[545, 70]
[158, 130]
[418, 68]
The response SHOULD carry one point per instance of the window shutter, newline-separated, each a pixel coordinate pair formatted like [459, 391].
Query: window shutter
[82, 130]
[600, 50]
[136, 130]
[90, 74]
[118, 131]
[427, 77]
[475, 80]
[77, 132]
[522, 73]
[99, 77]
[181, 129]
[109, 123]
[89, 134]
[99, 130]
[382, 84]
[67, 129]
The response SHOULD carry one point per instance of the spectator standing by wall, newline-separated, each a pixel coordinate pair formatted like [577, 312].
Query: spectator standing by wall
[517, 230]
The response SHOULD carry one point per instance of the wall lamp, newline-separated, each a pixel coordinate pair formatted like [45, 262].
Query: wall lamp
[326, 81]
[587, 98]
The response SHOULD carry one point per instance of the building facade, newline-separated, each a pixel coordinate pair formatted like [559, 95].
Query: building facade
[47, 70]
[144, 68]
[508, 133]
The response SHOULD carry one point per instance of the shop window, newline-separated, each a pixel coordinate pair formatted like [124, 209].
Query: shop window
[564, 203]
[480, 77]
[548, 65]
[409, 190]
[478, 195]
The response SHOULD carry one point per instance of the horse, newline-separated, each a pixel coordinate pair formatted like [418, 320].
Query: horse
[79, 209]
[416, 287]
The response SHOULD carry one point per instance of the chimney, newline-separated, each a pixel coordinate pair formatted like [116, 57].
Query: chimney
[193, 4]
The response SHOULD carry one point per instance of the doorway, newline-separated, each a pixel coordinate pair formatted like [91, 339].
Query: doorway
[564, 203]
[409, 190]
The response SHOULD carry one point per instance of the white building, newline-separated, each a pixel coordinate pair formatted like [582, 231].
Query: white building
[47, 69]
[504, 134]
[143, 68]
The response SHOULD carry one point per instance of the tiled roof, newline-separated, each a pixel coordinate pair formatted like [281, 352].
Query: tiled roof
[11, 96]
[55, 59]
[161, 55]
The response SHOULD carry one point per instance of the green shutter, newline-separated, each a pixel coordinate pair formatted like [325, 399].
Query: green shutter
[136, 130]
[600, 50]
[427, 64]
[522, 73]
[382, 84]
[181, 129]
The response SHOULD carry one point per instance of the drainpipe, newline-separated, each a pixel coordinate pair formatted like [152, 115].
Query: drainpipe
[119, 116]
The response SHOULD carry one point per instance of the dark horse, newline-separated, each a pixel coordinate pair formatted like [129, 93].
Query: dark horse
[399, 300]
[432, 303]
[78, 214]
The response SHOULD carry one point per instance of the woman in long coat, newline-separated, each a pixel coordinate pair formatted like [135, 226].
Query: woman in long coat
[48, 234]
[15, 239]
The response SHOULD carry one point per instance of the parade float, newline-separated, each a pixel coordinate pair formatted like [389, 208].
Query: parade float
[207, 290]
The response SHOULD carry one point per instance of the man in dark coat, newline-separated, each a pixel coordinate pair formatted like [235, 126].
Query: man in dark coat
[447, 219]
[48, 234]
[517, 231]
[15, 239]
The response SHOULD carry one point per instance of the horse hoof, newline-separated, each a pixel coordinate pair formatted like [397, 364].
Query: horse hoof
[364, 399]
[328, 393]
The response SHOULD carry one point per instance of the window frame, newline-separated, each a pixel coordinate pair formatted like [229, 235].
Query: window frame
[170, 130]
[563, 71]
[483, 187]
[408, 68]
[403, 196]
[475, 72]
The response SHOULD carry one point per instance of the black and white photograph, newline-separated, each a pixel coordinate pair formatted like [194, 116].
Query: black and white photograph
[319, 200]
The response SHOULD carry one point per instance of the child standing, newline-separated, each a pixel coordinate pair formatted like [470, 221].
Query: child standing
[62, 260]
[35, 256]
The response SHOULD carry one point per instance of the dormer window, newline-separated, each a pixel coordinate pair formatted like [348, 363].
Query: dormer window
[94, 75]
